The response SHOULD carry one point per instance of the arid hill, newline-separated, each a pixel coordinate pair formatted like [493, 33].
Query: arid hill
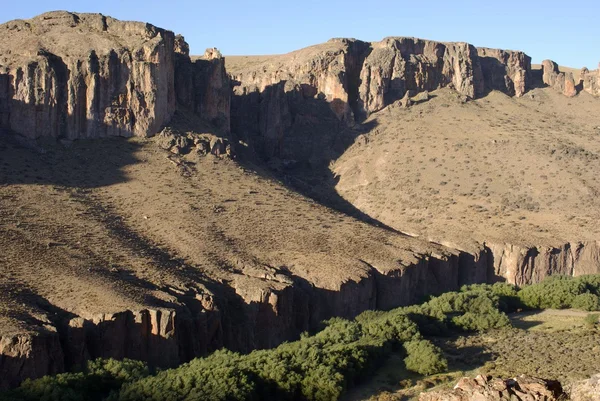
[272, 197]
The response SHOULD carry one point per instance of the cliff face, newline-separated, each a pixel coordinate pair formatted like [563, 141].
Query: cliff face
[279, 102]
[67, 75]
[399, 65]
[203, 87]
[281, 309]
[591, 81]
[563, 82]
[506, 71]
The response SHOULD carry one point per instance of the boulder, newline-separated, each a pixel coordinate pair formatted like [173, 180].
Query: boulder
[562, 82]
[586, 390]
[481, 388]
[505, 70]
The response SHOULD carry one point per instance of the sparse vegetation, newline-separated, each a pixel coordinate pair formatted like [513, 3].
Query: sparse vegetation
[322, 366]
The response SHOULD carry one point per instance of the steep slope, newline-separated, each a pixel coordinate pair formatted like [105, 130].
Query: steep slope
[517, 174]
[117, 248]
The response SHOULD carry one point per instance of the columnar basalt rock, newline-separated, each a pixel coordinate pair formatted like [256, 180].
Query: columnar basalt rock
[563, 82]
[203, 86]
[506, 71]
[396, 66]
[591, 81]
[70, 77]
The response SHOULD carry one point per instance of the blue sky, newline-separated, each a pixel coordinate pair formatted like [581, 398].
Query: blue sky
[567, 32]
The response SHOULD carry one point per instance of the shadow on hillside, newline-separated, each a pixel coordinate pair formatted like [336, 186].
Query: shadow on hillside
[296, 133]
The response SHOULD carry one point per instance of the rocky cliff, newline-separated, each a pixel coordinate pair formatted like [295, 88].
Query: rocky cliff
[68, 75]
[563, 82]
[279, 102]
[591, 81]
[505, 70]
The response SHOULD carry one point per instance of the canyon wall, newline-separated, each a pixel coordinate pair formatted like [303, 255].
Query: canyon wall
[299, 105]
[562, 82]
[68, 75]
[283, 307]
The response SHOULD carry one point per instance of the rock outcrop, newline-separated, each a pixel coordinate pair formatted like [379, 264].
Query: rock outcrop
[521, 265]
[280, 101]
[68, 75]
[29, 354]
[591, 81]
[586, 390]
[522, 388]
[506, 71]
[203, 86]
[396, 66]
[563, 82]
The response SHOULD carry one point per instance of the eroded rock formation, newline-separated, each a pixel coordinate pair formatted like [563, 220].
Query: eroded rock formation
[506, 71]
[591, 81]
[68, 75]
[522, 388]
[563, 82]
[395, 66]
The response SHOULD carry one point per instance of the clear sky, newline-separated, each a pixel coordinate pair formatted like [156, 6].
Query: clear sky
[567, 32]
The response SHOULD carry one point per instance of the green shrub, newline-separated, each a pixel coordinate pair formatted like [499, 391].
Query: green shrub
[591, 320]
[587, 302]
[425, 358]
[556, 292]
[96, 382]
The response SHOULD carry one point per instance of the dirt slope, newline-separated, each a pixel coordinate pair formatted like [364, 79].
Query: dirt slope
[497, 169]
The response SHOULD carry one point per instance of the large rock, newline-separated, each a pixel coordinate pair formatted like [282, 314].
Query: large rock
[563, 82]
[85, 76]
[396, 66]
[506, 71]
[522, 388]
[591, 81]
[69, 75]
[586, 390]
[203, 86]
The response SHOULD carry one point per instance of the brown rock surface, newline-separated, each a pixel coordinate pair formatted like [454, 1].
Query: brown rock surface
[521, 388]
[506, 71]
[398, 65]
[586, 390]
[563, 82]
[591, 81]
[86, 76]
[69, 75]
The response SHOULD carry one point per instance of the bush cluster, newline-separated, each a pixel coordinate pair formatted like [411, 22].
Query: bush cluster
[559, 292]
[320, 366]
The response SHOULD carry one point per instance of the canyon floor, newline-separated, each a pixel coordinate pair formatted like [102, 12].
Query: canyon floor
[555, 344]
